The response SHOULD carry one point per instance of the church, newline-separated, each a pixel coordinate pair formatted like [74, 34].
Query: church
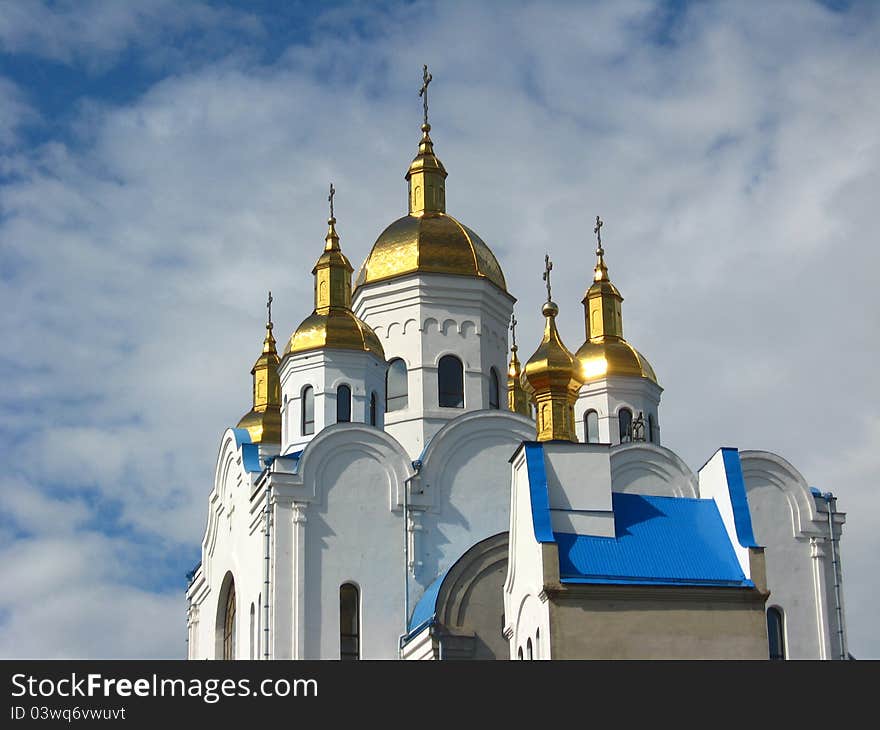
[406, 487]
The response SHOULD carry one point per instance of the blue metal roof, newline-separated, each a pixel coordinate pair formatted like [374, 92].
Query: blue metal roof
[426, 609]
[658, 541]
[242, 436]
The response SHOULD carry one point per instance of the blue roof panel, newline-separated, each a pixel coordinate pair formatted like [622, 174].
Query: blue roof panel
[659, 541]
[426, 608]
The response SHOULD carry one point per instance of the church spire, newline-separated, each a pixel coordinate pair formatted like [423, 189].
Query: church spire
[332, 271]
[263, 421]
[517, 399]
[602, 315]
[555, 375]
[426, 175]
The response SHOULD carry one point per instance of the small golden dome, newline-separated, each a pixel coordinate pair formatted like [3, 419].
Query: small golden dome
[613, 357]
[263, 427]
[432, 242]
[263, 421]
[337, 327]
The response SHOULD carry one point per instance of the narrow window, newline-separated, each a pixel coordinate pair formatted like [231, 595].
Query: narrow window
[308, 410]
[775, 633]
[625, 416]
[253, 630]
[529, 654]
[259, 615]
[373, 419]
[494, 397]
[591, 427]
[229, 624]
[519, 653]
[349, 622]
[343, 404]
[396, 387]
[652, 431]
[450, 381]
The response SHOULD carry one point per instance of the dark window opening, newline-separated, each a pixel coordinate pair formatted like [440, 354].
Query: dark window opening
[450, 382]
[343, 404]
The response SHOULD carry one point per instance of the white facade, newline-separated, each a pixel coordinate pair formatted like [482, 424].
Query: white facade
[424, 316]
[608, 396]
[324, 371]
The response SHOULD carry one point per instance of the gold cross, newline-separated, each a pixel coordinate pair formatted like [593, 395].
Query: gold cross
[426, 79]
[330, 198]
[513, 329]
[598, 231]
[548, 267]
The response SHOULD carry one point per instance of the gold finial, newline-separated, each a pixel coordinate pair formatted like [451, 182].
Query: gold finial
[332, 238]
[548, 267]
[263, 421]
[269, 342]
[423, 92]
[517, 399]
[600, 273]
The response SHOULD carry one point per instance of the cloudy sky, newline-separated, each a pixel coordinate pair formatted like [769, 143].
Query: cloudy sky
[163, 164]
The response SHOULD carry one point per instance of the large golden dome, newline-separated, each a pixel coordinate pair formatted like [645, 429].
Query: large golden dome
[432, 242]
[337, 327]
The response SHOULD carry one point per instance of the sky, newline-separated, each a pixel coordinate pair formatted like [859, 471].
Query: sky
[163, 164]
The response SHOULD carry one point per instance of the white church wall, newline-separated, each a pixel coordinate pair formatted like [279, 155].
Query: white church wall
[526, 610]
[607, 396]
[644, 468]
[421, 317]
[795, 534]
[579, 488]
[465, 489]
[231, 545]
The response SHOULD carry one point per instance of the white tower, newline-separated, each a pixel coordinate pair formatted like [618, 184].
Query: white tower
[620, 384]
[436, 298]
[333, 369]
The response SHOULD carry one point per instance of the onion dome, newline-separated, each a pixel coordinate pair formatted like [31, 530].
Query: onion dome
[428, 239]
[555, 376]
[332, 324]
[263, 421]
[605, 352]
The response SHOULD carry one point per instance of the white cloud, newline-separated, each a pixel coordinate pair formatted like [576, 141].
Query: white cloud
[734, 166]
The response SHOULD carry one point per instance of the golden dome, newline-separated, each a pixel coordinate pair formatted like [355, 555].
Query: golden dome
[555, 377]
[606, 352]
[432, 242]
[609, 357]
[337, 327]
[332, 323]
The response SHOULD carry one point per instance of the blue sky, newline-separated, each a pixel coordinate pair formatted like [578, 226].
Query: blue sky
[163, 164]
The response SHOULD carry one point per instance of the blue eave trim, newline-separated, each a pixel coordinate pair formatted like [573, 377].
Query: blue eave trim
[242, 436]
[742, 517]
[538, 492]
[250, 458]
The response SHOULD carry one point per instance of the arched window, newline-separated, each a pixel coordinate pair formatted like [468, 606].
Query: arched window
[229, 623]
[519, 653]
[349, 622]
[343, 404]
[775, 633]
[625, 416]
[373, 419]
[494, 394]
[396, 387]
[529, 654]
[450, 382]
[308, 410]
[537, 643]
[591, 427]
